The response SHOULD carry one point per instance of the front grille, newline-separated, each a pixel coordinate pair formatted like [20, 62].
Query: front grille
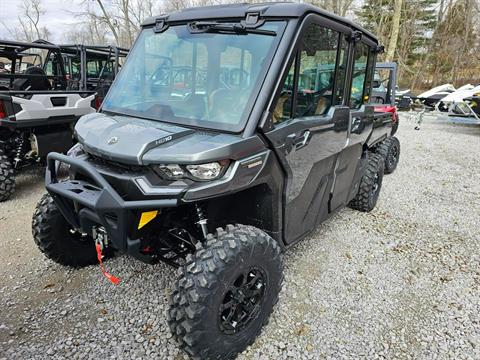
[112, 171]
[114, 165]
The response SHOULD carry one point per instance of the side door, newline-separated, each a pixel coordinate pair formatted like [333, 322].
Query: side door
[310, 123]
[359, 89]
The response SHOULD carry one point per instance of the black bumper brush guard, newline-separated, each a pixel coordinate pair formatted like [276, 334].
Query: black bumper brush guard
[86, 206]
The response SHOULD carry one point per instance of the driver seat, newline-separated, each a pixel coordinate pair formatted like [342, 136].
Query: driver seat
[221, 103]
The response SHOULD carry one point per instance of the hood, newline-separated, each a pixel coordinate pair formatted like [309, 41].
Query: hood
[131, 140]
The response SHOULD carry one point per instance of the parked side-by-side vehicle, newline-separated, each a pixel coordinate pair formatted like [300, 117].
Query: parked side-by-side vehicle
[221, 143]
[44, 90]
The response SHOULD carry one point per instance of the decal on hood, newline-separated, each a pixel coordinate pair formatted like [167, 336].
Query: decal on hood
[153, 144]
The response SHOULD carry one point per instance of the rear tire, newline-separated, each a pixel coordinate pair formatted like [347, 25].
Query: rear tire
[383, 148]
[7, 177]
[390, 151]
[235, 275]
[55, 238]
[393, 156]
[395, 126]
[370, 185]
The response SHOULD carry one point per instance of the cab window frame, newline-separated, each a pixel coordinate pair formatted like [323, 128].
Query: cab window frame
[369, 69]
[294, 59]
[303, 55]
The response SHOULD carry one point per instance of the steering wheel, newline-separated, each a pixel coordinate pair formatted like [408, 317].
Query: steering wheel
[316, 97]
[161, 75]
[163, 71]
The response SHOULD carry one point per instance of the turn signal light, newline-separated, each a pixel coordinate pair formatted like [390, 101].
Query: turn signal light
[146, 217]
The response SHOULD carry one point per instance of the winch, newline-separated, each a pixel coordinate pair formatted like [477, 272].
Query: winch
[101, 242]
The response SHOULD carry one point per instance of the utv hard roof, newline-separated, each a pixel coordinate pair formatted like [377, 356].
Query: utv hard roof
[276, 10]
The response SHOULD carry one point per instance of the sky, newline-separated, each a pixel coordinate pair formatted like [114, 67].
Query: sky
[57, 17]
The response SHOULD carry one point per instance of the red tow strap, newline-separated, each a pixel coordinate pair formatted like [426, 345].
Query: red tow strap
[114, 280]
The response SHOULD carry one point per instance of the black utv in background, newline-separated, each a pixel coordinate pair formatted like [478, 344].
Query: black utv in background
[218, 147]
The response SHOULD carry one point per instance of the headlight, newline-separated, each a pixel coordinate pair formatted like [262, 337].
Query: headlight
[171, 172]
[63, 169]
[76, 150]
[201, 172]
[205, 171]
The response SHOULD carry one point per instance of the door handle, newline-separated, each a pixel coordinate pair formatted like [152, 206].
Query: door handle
[302, 141]
[357, 125]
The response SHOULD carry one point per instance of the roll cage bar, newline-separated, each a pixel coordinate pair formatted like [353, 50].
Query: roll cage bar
[16, 50]
[87, 52]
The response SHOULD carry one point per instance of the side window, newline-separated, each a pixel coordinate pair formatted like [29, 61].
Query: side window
[105, 68]
[359, 83]
[341, 70]
[370, 72]
[317, 69]
[50, 66]
[283, 108]
[92, 69]
[318, 59]
[75, 68]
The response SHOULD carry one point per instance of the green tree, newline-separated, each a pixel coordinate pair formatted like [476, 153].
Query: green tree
[417, 23]
[455, 44]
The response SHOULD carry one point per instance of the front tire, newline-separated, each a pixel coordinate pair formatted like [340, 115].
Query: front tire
[7, 177]
[225, 292]
[56, 239]
[370, 185]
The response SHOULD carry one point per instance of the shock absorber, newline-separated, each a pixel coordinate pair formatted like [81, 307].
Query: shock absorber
[18, 151]
[201, 220]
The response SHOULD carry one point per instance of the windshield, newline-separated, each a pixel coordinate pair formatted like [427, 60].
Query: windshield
[206, 79]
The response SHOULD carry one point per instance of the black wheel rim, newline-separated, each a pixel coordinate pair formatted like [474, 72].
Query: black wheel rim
[393, 156]
[376, 184]
[242, 301]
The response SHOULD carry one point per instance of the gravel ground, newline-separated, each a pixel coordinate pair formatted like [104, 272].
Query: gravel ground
[402, 282]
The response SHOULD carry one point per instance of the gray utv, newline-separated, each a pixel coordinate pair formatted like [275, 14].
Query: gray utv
[220, 145]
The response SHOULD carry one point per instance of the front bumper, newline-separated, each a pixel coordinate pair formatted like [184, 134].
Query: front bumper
[86, 205]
